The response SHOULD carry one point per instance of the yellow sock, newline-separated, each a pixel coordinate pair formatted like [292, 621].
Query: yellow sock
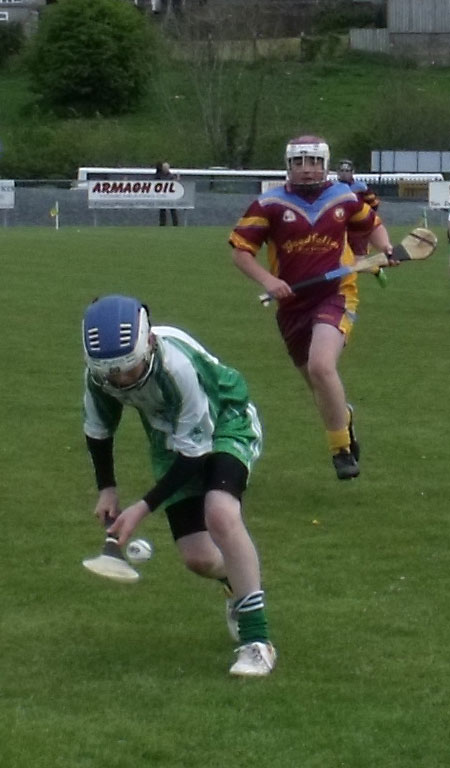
[339, 440]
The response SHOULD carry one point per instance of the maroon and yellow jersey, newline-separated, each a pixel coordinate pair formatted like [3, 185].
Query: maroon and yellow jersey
[305, 236]
[358, 243]
[364, 193]
[371, 199]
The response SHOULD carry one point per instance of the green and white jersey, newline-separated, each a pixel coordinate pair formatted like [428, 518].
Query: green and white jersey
[190, 404]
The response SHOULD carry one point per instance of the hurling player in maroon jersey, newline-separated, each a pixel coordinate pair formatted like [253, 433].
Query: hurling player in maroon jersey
[345, 171]
[304, 224]
[358, 243]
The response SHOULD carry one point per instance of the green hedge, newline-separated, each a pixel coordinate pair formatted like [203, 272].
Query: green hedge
[12, 40]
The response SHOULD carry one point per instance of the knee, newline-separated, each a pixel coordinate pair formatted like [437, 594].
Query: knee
[199, 563]
[223, 517]
[319, 370]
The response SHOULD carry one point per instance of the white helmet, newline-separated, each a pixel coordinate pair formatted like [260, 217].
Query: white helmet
[308, 146]
[115, 337]
[345, 165]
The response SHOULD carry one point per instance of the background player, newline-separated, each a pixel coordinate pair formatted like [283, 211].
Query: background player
[358, 243]
[304, 224]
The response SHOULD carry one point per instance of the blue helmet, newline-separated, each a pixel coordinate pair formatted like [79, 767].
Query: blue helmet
[116, 336]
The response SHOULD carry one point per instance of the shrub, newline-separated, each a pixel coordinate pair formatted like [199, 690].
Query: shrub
[310, 48]
[12, 39]
[321, 47]
[90, 57]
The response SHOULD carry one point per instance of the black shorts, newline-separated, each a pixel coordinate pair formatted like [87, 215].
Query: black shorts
[223, 472]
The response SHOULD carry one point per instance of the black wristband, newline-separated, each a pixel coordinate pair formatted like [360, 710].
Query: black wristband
[103, 460]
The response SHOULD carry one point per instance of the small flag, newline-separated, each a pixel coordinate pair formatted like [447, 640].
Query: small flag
[54, 213]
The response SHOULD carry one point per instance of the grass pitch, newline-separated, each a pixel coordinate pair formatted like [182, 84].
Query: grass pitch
[100, 675]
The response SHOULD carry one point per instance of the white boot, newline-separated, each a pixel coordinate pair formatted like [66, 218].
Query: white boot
[254, 660]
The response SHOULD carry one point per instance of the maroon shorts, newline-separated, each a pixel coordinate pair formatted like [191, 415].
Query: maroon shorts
[296, 325]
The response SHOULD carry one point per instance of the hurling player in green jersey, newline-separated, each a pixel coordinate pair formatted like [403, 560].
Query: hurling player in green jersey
[204, 436]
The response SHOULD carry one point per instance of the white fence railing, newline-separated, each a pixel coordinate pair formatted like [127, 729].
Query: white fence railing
[93, 173]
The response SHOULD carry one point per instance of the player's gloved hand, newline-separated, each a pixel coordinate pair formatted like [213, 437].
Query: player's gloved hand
[124, 525]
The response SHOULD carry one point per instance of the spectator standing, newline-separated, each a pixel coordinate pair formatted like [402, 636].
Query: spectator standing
[164, 173]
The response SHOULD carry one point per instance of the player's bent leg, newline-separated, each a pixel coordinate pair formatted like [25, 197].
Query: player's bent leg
[200, 555]
[198, 551]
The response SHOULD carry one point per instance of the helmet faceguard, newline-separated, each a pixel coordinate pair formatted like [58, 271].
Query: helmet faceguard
[116, 339]
[314, 148]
